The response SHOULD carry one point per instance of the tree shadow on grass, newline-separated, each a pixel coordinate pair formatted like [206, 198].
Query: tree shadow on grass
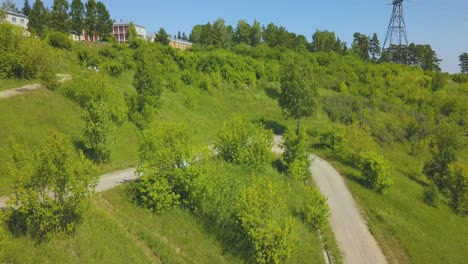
[273, 90]
[277, 128]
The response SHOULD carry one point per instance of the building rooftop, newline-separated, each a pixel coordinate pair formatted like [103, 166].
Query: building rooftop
[16, 14]
[126, 23]
[180, 41]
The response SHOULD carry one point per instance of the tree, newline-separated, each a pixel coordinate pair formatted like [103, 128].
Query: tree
[314, 208]
[464, 62]
[242, 33]
[242, 142]
[425, 57]
[8, 5]
[131, 33]
[77, 17]
[162, 37]
[458, 185]
[261, 211]
[374, 47]
[54, 186]
[104, 22]
[221, 34]
[375, 171]
[295, 156]
[26, 8]
[255, 33]
[99, 131]
[91, 20]
[38, 18]
[167, 166]
[299, 95]
[59, 20]
[361, 46]
[445, 144]
[325, 41]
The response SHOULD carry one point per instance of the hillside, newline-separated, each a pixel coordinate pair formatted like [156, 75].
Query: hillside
[391, 110]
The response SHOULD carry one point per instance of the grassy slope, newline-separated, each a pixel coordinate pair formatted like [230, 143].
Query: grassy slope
[13, 83]
[408, 230]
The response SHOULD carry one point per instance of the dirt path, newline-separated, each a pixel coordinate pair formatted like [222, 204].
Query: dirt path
[30, 87]
[355, 241]
[106, 182]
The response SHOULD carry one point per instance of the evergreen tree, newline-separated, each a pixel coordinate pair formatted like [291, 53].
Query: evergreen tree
[26, 8]
[375, 47]
[361, 46]
[464, 62]
[38, 18]
[59, 16]
[91, 18]
[162, 37]
[77, 17]
[104, 21]
[8, 5]
[255, 34]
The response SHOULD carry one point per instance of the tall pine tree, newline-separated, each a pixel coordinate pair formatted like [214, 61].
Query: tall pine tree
[91, 18]
[59, 16]
[77, 17]
[104, 21]
[38, 18]
[26, 8]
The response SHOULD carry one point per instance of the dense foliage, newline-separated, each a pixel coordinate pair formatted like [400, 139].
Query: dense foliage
[54, 184]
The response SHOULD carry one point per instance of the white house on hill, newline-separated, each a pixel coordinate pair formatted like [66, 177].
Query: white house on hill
[17, 19]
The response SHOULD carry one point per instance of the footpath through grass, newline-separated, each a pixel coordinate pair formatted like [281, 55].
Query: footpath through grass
[6, 84]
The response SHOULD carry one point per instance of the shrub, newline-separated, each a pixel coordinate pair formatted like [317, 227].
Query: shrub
[59, 40]
[458, 186]
[54, 184]
[295, 154]
[375, 171]
[113, 68]
[242, 142]
[314, 209]
[260, 212]
[154, 193]
[431, 195]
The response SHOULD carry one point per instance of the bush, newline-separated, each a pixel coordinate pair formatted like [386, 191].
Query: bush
[375, 171]
[54, 185]
[113, 68]
[431, 195]
[154, 193]
[59, 40]
[260, 212]
[458, 185]
[295, 156]
[242, 142]
[314, 209]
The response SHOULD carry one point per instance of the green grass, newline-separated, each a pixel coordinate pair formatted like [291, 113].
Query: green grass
[28, 118]
[14, 83]
[408, 230]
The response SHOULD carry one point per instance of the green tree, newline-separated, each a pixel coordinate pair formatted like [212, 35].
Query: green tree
[445, 144]
[299, 95]
[26, 8]
[104, 22]
[8, 5]
[255, 33]
[261, 211]
[99, 134]
[77, 17]
[59, 20]
[361, 46]
[326, 41]
[241, 142]
[458, 185]
[162, 37]
[53, 191]
[91, 20]
[375, 171]
[222, 35]
[463, 62]
[242, 33]
[425, 57]
[38, 18]
[314, 208]
[374, 48]
[295, 156]
[166, 168]
[131, 33]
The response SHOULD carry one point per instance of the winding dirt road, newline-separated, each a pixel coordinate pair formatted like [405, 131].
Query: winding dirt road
[355, 241]
[30, 87]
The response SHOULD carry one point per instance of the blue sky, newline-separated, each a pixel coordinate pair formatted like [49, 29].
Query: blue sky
[442, 24]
